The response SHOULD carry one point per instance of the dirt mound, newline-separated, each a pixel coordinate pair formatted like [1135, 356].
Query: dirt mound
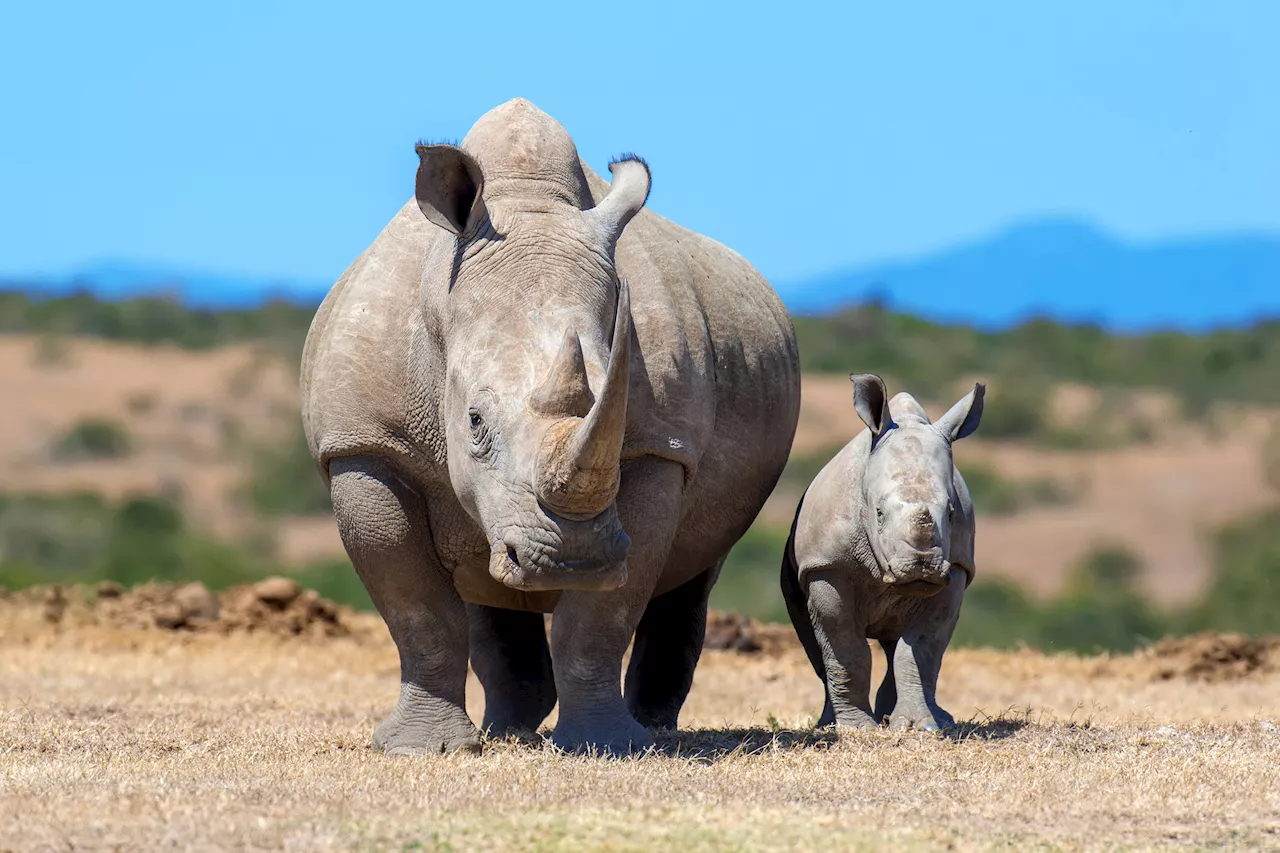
[277, 606]
[1210, 657]
[738, 633]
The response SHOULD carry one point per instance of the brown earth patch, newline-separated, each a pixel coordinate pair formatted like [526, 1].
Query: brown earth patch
[274, 606]
[1209, 657]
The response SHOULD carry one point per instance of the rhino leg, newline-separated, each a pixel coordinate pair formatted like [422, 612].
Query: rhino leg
[793, 595]
[665, 653]
[887, 695]
[918, 659]
[590, 631]
[510, 656]
[840, 630]
[385, 531]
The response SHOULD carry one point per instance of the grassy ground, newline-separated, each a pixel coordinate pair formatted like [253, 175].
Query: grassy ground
[114, 739]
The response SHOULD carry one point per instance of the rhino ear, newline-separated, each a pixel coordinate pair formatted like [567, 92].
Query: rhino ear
[871, 402]
[964, 416]
[627, 194]
[448, 186]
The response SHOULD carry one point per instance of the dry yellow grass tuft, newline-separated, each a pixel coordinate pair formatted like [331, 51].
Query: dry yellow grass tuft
[124, 739]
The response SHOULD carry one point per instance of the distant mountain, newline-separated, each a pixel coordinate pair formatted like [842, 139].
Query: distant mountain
[1063, 268]
[1071, 271]
[122, 279]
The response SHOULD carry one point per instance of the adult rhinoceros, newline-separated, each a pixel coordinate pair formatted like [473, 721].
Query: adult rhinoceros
[531, 396]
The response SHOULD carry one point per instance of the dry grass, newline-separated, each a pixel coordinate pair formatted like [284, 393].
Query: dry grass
[143, 740]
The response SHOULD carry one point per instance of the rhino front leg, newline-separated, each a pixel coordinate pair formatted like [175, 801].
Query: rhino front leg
[917, 660]
[666, 650]
[385, 531]
[840, 629]
[510, 656]
[590, 631]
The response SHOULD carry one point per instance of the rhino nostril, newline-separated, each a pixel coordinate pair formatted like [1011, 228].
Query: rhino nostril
[512, 556]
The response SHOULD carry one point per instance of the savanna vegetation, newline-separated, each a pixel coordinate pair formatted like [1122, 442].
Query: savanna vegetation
[927, 357]
[85, 538]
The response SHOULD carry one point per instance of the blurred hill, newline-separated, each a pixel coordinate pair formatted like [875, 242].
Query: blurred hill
[1064, 268]
[1070, 270]
[1120, 456]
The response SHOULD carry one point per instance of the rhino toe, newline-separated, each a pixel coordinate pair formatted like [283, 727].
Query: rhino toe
[408, 734]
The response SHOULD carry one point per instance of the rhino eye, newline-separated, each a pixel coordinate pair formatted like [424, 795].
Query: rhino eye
[481, 439]
[879, 515]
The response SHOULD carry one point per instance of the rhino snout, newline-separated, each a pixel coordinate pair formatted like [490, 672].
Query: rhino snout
[918, 573]
[536, 560]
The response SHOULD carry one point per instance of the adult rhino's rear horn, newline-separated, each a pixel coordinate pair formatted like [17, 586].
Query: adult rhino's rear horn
[579, 467]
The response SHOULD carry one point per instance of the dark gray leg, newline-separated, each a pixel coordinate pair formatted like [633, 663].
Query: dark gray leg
[841, 632]
[665, 653]
[798, 610]
[387, 536]
[918, 659]
[887, 695]
[511, 658]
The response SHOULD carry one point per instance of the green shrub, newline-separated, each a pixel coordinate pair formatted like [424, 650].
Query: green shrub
[93, 438]
[749, 581]
[802, 468]
[993, 494]
[1245, 592]
[283, 479]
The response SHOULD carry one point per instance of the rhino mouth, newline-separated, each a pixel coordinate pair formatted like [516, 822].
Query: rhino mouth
[919, 575]
[533, 567]
[920, 588]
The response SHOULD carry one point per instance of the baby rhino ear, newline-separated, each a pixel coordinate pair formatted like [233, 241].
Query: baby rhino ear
[871, 402]
[964, 416]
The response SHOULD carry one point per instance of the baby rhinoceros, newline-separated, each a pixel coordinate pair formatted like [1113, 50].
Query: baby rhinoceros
[882, 548]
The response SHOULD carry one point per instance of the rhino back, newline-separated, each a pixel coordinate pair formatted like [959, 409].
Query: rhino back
[828, 526]
[722, 374]
[369, 368]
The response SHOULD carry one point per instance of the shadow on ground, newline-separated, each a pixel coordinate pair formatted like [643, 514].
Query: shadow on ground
[997, 728]
[715, 744]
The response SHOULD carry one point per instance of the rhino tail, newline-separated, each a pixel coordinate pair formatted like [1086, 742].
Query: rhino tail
[797, 607]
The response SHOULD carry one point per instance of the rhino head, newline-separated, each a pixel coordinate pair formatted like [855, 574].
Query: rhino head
[909, 500]
[538, 337]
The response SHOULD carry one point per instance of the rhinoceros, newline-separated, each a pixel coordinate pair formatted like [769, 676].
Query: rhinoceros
[531, 395]
[881, 548]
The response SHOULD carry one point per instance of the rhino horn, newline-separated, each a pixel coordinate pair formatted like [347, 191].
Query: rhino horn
[580, 465]
[564, 391]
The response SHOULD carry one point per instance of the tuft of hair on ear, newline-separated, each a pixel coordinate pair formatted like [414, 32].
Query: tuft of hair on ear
[628, 156]
[430, 143]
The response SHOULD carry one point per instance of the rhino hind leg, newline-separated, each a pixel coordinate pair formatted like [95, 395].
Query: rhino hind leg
[384, 528]
[793, 596]
[668, 644]
[510, 655]
[887, 695]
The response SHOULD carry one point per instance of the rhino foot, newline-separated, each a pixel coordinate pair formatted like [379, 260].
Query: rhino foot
[611, 737]
[422, 726]
[855, 718]
[935, 720]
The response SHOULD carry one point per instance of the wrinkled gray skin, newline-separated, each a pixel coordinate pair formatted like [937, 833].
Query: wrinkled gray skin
[882, 548]
[529, 395]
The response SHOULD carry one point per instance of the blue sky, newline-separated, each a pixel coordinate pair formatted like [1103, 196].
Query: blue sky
[276, 139]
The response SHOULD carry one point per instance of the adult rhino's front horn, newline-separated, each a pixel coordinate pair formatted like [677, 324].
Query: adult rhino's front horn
[578, 467]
